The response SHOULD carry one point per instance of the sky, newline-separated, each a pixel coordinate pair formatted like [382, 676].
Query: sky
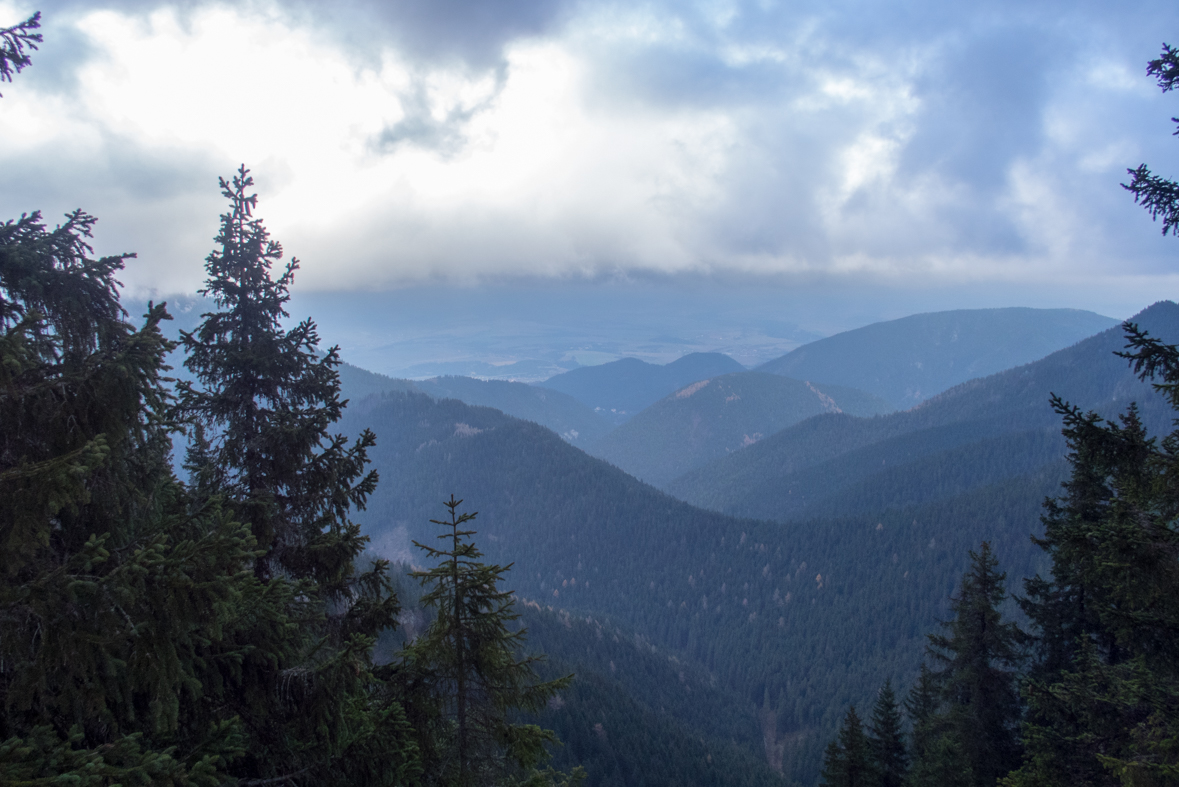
[855, 159]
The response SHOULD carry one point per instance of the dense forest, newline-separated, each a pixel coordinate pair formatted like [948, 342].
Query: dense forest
[220, 630]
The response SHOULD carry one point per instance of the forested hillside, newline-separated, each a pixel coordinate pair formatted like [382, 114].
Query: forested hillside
[635, 713]
[566, 416]
[796, 619]
[978, 433]
[909, 360]
[620, 389]
[714, 417]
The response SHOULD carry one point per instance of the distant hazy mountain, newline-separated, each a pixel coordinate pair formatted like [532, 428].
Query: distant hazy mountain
[714, 417]
[357, 383]
[978, 433]
[909, 360]
[521, 371]
[566, 416]
[624, 387]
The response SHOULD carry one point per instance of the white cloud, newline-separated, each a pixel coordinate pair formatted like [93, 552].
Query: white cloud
[628, 140]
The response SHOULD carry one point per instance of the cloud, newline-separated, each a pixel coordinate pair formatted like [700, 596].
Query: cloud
[453, 141]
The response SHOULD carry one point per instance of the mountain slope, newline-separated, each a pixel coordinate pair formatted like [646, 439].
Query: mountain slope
[563, 414]
[560, 412]
[909, 360]
[715, 417]
[634, 715]
[834, 464]
[624, 387]
[797, 620]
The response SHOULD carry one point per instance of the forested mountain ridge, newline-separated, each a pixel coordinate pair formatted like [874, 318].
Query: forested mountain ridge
[622, 388]
[979, 432]
[566, 416]
[909, 360]
[797, 620]
[714, 417]
[635, 715]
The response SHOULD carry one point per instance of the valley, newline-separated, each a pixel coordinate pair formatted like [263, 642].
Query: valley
[799, 570]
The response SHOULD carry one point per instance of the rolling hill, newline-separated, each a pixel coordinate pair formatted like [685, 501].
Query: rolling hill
[712, 418]
[620, 389]
[909, 360]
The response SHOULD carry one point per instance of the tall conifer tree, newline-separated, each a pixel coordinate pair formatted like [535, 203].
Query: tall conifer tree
[122, 607]
[848, 759]
[886, 740]
[470, 676]
[1103, 691]
[979, 658]
[261, 412]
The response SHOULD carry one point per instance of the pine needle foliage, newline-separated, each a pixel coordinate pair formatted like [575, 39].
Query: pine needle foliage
[848, 759]
[470, 673]
[260, 415]
[979, 660]
[14, 41]
[121, 604]
[886, 740]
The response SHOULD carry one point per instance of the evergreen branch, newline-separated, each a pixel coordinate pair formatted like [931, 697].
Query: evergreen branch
[13, 41]
[1158, 195]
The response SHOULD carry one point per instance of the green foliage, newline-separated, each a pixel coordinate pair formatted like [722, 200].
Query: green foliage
[1160, 196]
[848, 760]
[260, 409]
[1103, 691]
[979, 658]
[124, 610]
[467, 666]
[886, 740]
[637, 716]
[794, 656]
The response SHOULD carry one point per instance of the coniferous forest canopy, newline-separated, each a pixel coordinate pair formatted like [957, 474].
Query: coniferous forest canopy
[229, 558]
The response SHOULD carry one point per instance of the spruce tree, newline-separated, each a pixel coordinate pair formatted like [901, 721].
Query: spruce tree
[979, 658]
[467, 677]
[260, 414]
[122, 606]
[1103, 689]
[848, 760]
[886, 740]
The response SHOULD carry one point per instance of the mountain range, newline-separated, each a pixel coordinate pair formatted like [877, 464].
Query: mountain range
[909, 360]
[621, 388]
[794, 617]
[974, 434]
[714, 417]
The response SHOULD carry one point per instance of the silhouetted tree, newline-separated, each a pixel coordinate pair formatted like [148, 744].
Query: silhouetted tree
[1160, 196]
[124, 610]
[13, 43]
